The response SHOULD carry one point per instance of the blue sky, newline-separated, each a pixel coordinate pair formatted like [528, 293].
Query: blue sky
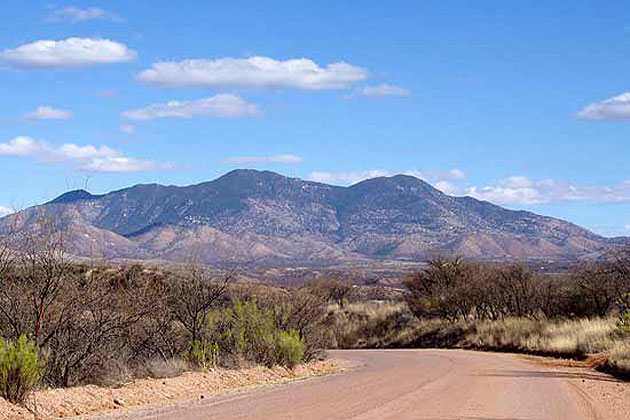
[523, 104]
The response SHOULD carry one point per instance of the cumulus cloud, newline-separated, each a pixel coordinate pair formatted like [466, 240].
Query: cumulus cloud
[87, 158]
[522, 190]
[48, 113]
[22, 146]
[253, 72]
[5, 211]
[385, 90]
[249, 160]
[76, 14]
[71, 52]
[220, 106]
[616, 108]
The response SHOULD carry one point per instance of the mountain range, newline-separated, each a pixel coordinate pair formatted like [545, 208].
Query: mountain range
[261, 216]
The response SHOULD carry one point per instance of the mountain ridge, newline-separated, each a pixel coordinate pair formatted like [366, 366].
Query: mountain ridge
[251, 215]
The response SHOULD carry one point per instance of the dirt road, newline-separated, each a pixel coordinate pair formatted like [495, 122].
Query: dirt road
[408, 384]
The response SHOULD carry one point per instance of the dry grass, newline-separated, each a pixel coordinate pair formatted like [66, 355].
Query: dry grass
[619, 357]
[568, 338]
[383, 325]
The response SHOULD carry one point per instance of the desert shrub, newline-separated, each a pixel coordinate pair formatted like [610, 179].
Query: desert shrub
[289, 348]
[331, 289]
[304, 312]
[21, 368]
[248, 332]
[623, 324]
[203, 354]
[442, 290]
[251, 332]
[159, 368]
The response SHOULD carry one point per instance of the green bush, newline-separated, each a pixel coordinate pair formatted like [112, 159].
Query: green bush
[202, 354]
[21, 368]
[250, 333]
[289, 348]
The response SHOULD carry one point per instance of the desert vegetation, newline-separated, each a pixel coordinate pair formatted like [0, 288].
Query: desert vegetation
[458, 303]
[65, 323]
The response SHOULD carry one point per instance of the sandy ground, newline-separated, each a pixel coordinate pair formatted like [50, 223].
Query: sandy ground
[608, 392]
[421, 384]
[85, 400]
[375, 384]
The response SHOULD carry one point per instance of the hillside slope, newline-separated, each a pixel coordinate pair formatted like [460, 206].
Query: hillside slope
[249, 215]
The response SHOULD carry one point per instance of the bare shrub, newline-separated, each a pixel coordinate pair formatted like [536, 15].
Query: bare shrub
[160, 368]
[331, 289]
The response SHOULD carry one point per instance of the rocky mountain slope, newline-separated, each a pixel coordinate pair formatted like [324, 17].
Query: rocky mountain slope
[254, 216]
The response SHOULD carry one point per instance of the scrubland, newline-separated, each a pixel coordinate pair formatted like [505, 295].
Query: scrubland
[457, 304]
[66, 324]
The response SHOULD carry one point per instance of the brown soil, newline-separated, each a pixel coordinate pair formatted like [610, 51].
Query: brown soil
[85, 400]
[607, 391]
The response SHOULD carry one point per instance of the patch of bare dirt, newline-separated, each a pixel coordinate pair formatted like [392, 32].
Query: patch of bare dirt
[89, 400]
[607, 391]
[9, 411]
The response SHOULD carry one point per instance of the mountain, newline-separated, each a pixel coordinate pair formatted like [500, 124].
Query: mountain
[261, 216]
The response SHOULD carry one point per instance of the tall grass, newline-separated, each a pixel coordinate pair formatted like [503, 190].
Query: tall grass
[568, 338]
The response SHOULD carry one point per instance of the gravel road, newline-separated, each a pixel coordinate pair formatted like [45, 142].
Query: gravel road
[408, 384]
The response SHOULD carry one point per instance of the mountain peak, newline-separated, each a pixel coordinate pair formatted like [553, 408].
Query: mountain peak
[73, 196]
[249, 215]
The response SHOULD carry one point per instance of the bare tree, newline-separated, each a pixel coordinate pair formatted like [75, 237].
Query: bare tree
[194, 294]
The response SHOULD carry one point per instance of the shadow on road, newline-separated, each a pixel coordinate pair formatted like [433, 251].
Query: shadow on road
[548, 374]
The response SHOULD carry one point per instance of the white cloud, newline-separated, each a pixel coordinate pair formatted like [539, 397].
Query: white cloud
[128, 129]
[88, 158]
[447, 187]
[385, 90]
[437, 178]
[22, 146]
[5, 211]
[222, 106]
[254, 72]
[451, 174]
[48, 113]
[515, 190]
[75, 14]
[616, 108]
[249, 160]
[522, 190]
[124, 164]
[346, 178]
[71, 52]
[612, 230]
